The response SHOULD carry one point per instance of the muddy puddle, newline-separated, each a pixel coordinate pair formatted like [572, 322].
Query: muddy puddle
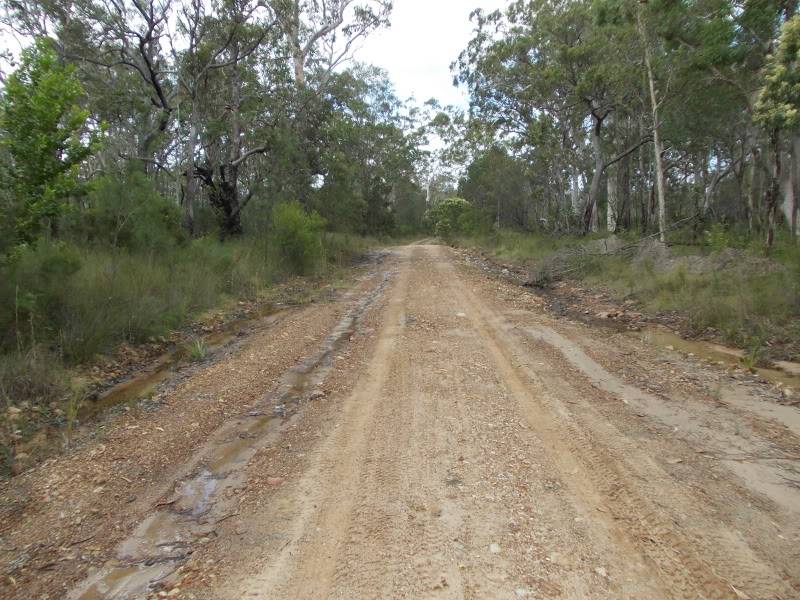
[208, 494]
[144, 384]
[785, 373]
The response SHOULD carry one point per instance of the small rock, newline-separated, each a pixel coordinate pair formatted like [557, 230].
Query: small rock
[173, 592]
[317, 395]
[275, 481]
[602, 572]
[494, 548]
[521, 593]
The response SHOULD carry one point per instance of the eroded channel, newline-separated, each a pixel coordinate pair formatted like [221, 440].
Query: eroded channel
[165, 539]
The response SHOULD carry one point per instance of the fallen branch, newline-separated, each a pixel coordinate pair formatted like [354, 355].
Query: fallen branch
[71, 544]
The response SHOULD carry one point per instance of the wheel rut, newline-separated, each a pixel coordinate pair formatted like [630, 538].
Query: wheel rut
[459, 454]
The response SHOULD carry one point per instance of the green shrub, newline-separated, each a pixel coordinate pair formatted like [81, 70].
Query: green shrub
[127, 213]
[81, 301]
[61, 304]
[717, 238]
[452, 216]
[296, 237]
[748, 302]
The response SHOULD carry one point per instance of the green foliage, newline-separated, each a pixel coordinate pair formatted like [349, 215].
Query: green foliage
[127, 212]
[778, 105]
[62, 304]
[82, 301]
[297, 238]
[717, 237]
[496, 184]
[516, 246]
[197, 350]
[46, 136]
[452, 216]
[367, 157]
[746, 302]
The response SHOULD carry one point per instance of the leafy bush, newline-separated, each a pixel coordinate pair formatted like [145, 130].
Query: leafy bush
[81, 301]
[717, 238]
[297, 238]
[46, 136]
[450, 217]
[128, 213]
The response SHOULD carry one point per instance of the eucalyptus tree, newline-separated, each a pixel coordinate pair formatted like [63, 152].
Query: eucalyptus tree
[777, 110]
[223, 95]
[321, 34]
[119, 48]
[547, 59]
[370, 155]
[726, 44]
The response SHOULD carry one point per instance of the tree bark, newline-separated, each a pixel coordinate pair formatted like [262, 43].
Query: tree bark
[575, 190]
[612, 213]
[191, 189]
[658, 149]
[644, 184]
[774, 189]
[624, 213]
[590, 210]
[790, 191]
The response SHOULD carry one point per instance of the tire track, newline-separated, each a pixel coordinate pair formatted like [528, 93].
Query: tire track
[305, 566]
[689, 571]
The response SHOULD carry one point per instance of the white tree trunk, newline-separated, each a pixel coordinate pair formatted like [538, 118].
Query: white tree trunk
[612, 212]
[658, 148]
[790, 186]
[575, 190]
[192, 186]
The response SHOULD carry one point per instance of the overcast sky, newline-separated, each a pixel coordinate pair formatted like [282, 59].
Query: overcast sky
[425, 37]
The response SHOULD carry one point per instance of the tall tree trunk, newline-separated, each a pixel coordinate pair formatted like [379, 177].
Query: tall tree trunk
[749, 186]
[590, 211]
[625, 192]
[575, 190]
[658, 149]
[774, 189]
[612, 213]
[222, 179]
[191, 189]
[790, 191]
[710, 188]
[643, 185]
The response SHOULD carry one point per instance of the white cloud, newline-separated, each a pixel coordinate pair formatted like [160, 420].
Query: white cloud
[426, 36]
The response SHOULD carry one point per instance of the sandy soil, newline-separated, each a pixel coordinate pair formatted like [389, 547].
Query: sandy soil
[435, 433]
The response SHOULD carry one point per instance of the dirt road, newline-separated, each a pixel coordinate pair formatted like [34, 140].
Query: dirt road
[442, 437]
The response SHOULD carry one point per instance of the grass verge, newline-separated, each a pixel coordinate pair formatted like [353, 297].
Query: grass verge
[63, 304]
[753, 303]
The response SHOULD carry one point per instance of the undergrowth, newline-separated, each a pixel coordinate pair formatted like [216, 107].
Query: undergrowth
[63, 303]
[751, 302]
